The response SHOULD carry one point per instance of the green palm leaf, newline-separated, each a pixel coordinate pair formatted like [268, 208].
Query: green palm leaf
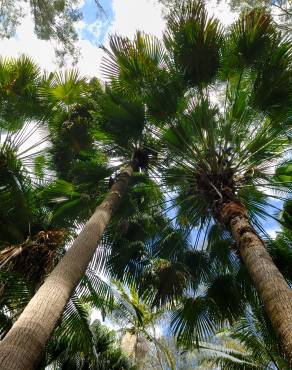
[252, 37]
[194, 42]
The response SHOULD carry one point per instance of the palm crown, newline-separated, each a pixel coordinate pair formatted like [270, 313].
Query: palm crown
[223, 135]
[219, 146]
[202, 118]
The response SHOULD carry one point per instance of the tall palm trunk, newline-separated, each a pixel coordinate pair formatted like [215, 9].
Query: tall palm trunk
[23, 345]
[269, 282]
[135, 345]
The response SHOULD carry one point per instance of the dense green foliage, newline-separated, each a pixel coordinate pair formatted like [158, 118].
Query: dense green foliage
[205, 115]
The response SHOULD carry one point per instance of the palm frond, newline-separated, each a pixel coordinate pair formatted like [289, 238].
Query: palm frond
[65, 88]
[119, 114]
[133, 62]
[192, 321]
[251, 37]
[272, 87]
[20, 80]
[194, 42]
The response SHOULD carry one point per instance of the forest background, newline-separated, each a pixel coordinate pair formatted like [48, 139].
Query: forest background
[92, 30]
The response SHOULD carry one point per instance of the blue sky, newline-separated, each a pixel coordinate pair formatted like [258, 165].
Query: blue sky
[123, 17]
[97, 20]
[96, 29]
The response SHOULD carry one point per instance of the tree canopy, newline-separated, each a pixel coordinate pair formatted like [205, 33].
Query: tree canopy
[178, 162]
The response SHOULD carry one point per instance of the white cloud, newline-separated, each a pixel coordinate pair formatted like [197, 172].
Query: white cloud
[95, 27]
[90, 59]
[221, 11]
[27, 43]
[42, 52]
[131, 15]
[96, 315]
[272, 232]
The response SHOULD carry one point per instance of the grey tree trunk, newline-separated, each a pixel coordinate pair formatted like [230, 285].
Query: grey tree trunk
[23, 345]
[269, 282]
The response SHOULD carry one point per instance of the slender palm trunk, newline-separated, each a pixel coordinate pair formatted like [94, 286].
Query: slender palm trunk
[23, 345]
[269, 282]
[135, 346]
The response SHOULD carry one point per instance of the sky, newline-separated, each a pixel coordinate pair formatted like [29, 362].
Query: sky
[122, 17]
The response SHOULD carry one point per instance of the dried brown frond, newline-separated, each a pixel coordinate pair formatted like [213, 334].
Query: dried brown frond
[34, 258]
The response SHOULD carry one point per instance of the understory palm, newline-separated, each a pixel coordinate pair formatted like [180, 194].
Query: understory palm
[138, 323]
[250, 344]
[78, 344]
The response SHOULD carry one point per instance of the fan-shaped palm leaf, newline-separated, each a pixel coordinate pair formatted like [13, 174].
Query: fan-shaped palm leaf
[194, 42]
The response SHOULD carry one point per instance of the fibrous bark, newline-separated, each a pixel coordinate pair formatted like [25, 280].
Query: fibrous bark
[269, 282]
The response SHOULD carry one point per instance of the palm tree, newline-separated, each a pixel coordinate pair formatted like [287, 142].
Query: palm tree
[78, 344]
[64, 93]
[137, 321]
[250, 344]
[26, 229]
[210, 161]
[25, 226]
[34, 225]
[226, 175]
[220, 166]
[20, 80]
[220, 155]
